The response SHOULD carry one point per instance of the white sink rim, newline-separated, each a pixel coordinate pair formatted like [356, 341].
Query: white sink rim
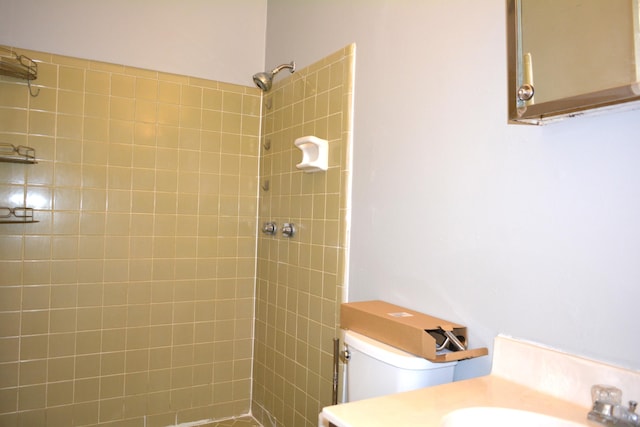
[485, 416]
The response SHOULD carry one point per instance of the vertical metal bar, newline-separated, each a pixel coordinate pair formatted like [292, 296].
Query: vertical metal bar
[336, 366]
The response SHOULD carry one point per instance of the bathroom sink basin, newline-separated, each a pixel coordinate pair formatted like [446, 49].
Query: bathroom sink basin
[502, 417]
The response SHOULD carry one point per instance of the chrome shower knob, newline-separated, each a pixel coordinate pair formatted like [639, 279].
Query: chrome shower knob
[288, 229]
[269, 228]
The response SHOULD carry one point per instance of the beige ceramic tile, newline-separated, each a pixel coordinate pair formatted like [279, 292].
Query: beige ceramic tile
[143, 277]
[315, 94]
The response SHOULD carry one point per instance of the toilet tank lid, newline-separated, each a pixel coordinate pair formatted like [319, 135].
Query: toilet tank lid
[390, 355]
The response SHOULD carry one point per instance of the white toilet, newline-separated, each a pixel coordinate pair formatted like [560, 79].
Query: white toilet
[375, 369]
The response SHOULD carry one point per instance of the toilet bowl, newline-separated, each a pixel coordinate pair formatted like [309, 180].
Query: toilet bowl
[376, 369]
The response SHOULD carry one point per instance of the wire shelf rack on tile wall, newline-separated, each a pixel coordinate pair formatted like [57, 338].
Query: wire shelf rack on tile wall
[19, 215]
[10, 153]
[18, 66]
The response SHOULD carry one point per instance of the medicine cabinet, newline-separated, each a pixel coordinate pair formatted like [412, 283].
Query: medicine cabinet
[571, 57]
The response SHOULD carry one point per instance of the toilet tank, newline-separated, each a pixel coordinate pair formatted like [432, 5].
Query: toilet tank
[376, 369]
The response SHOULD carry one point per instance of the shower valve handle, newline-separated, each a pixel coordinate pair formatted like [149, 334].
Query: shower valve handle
[288, 229]
[269, 228]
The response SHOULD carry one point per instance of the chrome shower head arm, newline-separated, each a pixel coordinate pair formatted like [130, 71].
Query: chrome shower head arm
[291, 66]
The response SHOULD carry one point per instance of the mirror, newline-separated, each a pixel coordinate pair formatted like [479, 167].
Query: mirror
[569, 57]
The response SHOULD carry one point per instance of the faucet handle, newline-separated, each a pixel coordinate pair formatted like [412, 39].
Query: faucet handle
[632, 406]
[606, 394]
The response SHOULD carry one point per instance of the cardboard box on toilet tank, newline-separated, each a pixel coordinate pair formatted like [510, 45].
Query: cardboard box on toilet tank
[414, 332]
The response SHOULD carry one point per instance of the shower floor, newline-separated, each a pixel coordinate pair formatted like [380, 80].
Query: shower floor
[237, 422]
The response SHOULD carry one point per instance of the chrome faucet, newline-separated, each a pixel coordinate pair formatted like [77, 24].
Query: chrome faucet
[608, 410]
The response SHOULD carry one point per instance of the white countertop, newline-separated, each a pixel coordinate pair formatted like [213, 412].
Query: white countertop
[427, 406]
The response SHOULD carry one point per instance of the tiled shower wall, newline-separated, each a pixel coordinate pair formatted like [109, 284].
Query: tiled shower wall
[132, 299]
[301, 279]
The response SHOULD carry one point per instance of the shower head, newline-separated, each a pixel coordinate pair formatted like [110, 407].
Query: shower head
[265, 79]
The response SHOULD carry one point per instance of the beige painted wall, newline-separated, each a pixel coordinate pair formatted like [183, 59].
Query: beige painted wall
[220, 40]
[503, 228]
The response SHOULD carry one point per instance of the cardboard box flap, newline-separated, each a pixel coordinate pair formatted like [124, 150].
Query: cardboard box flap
[409, 330]
[461, 355]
